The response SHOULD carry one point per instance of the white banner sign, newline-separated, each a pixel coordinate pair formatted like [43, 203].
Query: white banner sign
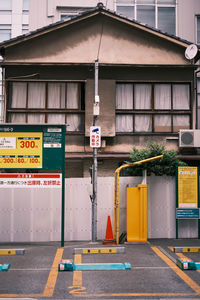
[30, 180]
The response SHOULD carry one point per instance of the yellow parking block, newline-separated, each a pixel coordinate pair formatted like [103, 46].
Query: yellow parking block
[7, 252]
[101, 250]
[11, 251]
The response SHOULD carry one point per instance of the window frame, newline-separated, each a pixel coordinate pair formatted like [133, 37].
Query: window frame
[156, 6]
[26, 110]
[8, 8]
[153, 112]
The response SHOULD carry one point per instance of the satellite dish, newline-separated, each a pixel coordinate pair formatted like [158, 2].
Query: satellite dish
[191, 51]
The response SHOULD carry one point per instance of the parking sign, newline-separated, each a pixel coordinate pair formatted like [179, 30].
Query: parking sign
[95, 136]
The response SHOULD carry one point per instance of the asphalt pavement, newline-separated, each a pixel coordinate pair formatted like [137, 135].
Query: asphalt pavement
[153, 275]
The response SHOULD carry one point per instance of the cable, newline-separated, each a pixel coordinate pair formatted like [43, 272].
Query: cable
[24, 76]
[102, 27]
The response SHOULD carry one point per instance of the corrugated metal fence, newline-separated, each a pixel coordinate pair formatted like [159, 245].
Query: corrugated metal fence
[32, 215]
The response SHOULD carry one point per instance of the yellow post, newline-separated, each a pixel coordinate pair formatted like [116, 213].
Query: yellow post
[116, 195]
[137, 213]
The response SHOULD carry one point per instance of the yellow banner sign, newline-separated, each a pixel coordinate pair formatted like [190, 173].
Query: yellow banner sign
[21, 149]
[187, 187]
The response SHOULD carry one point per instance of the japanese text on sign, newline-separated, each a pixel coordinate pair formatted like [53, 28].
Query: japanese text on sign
[21, 149]
[30, 180]
[187, 187]
[95, 137]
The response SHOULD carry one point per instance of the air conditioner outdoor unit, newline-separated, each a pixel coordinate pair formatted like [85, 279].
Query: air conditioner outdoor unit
[189, 138]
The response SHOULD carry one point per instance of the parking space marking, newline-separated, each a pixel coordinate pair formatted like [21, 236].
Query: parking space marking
[77, 275]
[51, 282]
[191, 283]
[78, 290]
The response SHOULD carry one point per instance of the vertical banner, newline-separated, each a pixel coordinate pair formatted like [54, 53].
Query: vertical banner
[187, 187]
[187, 195]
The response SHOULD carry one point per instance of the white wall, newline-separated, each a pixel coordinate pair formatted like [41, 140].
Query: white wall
[30, 215]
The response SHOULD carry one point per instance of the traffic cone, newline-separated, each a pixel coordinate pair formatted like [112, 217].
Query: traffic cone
[109, 239]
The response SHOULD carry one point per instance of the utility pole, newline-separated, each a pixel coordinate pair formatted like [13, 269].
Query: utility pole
[95, 166]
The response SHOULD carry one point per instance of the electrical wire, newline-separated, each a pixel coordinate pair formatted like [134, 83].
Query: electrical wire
[23, 76]
[101, 35]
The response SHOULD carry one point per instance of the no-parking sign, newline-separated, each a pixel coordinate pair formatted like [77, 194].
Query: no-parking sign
[95, 136]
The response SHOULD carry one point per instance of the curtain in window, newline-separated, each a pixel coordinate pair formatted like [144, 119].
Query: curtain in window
[124, 100]
[18, 118]
[124, 96]
[36, 95]
[56, 95]
[162, 96]
[143, 123]
[75, 122]
[124, 123]
[142, 96]
[181, 96]
[181, 122]
[36, 118]
[72, 96]
[18, 95]
[162, 123]
[56, 118]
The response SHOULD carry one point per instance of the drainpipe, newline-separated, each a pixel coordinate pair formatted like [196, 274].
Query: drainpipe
[2, 96]
[195, 89]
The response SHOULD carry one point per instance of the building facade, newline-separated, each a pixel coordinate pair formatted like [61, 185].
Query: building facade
[14, 21]
[146, 85]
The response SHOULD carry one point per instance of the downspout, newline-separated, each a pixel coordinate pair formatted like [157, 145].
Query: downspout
[2, 97]
[195, 89]
[2, 91]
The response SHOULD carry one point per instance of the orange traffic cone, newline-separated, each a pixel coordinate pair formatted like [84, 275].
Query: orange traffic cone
[109, 239]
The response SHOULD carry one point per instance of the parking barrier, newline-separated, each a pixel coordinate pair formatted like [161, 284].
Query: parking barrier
[4, 267]
[111, 250]
[12, 251]
[68, 265]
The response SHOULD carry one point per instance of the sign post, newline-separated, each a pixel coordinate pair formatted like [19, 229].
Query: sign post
[34, 147]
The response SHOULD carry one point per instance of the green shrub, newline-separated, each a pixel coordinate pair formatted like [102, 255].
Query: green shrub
[164, 166]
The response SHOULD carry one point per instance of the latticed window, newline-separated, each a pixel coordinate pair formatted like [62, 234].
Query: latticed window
[147, 108]
[47, 102]
[159, 14]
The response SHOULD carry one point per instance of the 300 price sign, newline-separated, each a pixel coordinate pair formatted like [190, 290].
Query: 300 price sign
[21, 150]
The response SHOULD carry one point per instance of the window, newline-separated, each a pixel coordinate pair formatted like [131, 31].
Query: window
[5, 32]
[153, 108]
[25, 28]
[5, 4]
[71, 12]
[40, 102]
[67, 16]
[25, 5]
[198, 29]
[160, 14]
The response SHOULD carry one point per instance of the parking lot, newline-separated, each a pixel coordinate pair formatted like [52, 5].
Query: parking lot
[153, 274]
